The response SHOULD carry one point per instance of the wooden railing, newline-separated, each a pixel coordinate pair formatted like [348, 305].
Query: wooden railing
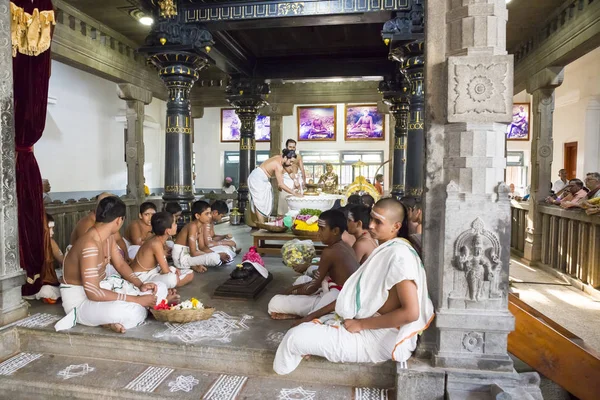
[570, 240]
[67, 214]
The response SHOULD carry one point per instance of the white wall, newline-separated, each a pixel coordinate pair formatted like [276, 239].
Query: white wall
[81, 150]
[210, 151]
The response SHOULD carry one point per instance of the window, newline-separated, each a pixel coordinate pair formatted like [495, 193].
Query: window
[232, 164]
[516, 171]
[342, 161]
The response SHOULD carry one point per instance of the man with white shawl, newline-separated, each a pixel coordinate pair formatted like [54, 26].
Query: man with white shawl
[380, 311]
[259, 183]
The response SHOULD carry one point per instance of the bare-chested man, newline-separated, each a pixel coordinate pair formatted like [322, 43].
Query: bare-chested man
[189, 250]
[337, 263]
[92, 299]
[139, 230]
[259, 183]
[378, 313]
[150, 262]
[86, 223]
[290, 144]
[359, 219]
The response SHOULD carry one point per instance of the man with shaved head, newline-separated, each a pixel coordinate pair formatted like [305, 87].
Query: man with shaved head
[379, 311]
[87, 222]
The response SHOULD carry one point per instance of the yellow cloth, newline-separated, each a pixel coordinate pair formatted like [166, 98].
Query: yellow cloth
[30, 33]
[303, 226]
[146, 190]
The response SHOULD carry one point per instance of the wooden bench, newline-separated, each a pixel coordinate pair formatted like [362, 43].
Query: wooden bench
[262, 247]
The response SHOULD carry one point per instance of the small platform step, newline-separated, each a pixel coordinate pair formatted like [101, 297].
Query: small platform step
[48, 376]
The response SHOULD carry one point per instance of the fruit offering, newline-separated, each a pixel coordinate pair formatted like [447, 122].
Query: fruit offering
[307, 220]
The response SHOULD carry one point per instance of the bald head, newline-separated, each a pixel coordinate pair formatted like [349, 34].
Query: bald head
[390, 208]
[102, 196]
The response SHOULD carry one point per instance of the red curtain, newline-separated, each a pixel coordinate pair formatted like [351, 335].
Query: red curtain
[30, 78]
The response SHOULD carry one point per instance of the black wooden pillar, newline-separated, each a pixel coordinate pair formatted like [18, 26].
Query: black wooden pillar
[405, 37]
[395, 95]
[179, 52]
[247, 96]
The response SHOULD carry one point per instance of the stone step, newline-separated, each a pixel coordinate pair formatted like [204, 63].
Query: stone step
[198, 356]
[28, 375]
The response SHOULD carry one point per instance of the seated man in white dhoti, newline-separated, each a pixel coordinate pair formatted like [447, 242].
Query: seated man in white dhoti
[87, 222]
[259, 183]
[380, 311]
[139, 230]
[186, 251]
[337, 263]
[150, 262]
[219, 243]
[89, 297]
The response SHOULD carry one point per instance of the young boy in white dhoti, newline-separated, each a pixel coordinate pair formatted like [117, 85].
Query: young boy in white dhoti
[219, 243]
[337, 263]
[259, 183]
[140, 230]
[380, 311]
[89, 298]
[87, 222]
[150, 262]
[359, 219]
[186, 253]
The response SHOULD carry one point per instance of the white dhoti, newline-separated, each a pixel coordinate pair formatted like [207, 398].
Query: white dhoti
[170, 280]
[261, 192]
[230, 251]
[80, 309]
[302, 305]
[183, 260]
[363, 294]
[132, 249]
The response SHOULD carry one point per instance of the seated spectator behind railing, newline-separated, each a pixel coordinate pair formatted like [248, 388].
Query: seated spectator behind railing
[592, 181]
[574, 195]
[562, 183]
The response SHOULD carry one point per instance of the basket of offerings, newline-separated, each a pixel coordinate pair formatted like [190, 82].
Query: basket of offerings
[187, 311]
[305, 224]
[276, 226]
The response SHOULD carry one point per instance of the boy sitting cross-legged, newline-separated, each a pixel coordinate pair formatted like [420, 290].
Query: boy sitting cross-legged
[186, 253]
[219, 243]
[140, 229]
[150, 263]
[337, 263]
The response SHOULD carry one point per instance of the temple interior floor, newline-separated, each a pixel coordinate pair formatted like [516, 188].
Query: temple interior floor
[556, 298]
[233, 350]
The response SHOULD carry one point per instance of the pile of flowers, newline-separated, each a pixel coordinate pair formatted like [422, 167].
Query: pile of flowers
[298, 253]
[191, 304]
[307, 220]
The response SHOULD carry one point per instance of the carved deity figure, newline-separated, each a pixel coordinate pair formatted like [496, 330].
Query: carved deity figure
[475, 267]
[329, 180]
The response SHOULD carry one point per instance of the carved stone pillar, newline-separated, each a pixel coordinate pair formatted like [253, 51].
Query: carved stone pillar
[541, 86]
[136, 99]
[178, 51]
[247, 96]
[12, 277]
[395, 95]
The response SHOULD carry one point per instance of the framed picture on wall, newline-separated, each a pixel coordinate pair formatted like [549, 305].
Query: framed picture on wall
[364, 122]
[231, 125]
[316, 123]
[519, 128]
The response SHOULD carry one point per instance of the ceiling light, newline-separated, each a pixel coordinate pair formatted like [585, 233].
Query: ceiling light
[146, 21]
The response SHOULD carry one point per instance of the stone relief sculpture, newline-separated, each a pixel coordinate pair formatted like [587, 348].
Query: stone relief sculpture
[477, 252]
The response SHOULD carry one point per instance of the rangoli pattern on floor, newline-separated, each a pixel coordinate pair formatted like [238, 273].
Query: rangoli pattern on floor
[220, 327]
[275, 337]
[226, 387]
[17, 362]
[149, 380]
[370, 394]
[75, 371]
[183, 384]
[298, 393]
[39, 320]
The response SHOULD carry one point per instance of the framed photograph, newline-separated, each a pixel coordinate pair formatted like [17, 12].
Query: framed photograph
[231, 125]
[316, 123]
[519, 128]
[363, 122]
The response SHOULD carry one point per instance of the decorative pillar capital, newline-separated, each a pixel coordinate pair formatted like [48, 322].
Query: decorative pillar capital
[278, 109]
[129, 92]
[247, 95]
[548, 78]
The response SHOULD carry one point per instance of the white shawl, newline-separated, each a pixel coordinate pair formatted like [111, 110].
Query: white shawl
[366, 291]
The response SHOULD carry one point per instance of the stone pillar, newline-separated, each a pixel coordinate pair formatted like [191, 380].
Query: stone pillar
[472, 320]
[541, 86]
[179, 52]
[136, 99]
[247, 96]
[395, 95]
[12, 277]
